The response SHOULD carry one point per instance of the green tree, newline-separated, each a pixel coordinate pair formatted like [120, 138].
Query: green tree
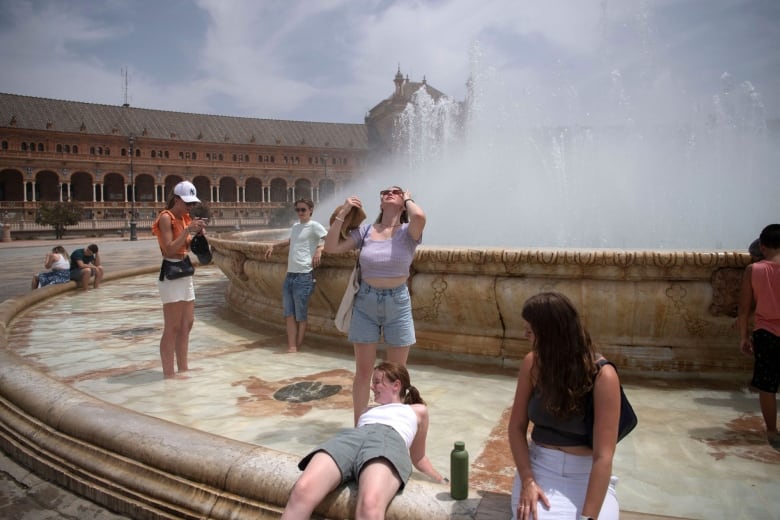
[58, 215]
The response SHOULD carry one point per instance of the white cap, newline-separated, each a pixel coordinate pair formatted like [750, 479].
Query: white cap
[186, 191]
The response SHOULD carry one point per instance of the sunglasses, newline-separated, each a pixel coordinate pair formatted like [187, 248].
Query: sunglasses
[191, 204]
[385, 193]
[301, 210]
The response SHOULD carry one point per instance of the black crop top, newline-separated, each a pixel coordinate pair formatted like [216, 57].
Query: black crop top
[552, 430]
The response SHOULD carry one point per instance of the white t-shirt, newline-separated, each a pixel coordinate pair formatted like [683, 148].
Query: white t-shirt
[304, 239]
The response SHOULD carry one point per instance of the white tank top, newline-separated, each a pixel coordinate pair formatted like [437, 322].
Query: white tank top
[398, 416]
[61, 264]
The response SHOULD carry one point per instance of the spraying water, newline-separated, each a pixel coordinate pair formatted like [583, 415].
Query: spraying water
[495, 171]
[615, 155]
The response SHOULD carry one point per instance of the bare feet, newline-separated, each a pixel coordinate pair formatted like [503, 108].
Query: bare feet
[292, 350]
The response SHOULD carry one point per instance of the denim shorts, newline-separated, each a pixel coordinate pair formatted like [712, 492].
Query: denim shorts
[352, 449]
[297, 289]
[382, 313]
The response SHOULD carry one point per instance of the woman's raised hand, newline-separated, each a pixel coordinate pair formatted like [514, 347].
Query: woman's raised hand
[352, 202]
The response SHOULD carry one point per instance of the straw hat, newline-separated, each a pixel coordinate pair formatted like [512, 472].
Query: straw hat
[351, 221]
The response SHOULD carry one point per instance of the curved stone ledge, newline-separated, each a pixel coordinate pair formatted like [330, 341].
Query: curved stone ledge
[145, 467]
[650, 311]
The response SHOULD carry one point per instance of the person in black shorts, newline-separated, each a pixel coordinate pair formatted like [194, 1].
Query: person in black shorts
[761, 293]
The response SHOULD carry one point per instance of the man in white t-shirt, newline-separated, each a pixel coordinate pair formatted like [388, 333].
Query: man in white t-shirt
[306, 242]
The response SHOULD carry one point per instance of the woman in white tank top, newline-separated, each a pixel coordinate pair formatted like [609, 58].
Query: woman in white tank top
[58, 263]
[378, 453]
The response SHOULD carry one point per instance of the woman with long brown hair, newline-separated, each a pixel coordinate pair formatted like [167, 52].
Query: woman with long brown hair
[562, 473]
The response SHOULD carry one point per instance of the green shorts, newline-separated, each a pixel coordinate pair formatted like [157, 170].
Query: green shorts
[352, 449]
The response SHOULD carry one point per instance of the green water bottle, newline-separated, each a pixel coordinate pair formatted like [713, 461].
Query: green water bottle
[459, 471]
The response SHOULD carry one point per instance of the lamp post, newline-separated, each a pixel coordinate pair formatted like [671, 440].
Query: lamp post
[133, 224]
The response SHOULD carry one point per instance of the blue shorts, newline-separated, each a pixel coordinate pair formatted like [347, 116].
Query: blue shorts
[766, 365]
[382, 313]
[297, 289]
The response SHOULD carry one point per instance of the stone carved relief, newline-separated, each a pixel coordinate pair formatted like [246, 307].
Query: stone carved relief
[695, 326]
[431, 312]
[619, 258]
[726, 285]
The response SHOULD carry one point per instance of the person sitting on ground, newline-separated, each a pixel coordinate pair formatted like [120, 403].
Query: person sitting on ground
[85, 264]
[378, 453]
[58, 263]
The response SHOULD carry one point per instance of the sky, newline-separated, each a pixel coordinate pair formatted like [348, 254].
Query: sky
[333, 60]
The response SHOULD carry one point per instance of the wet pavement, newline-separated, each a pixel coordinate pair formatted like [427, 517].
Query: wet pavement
[698, 452]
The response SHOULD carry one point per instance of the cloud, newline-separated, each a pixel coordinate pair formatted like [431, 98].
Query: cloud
[333, 60]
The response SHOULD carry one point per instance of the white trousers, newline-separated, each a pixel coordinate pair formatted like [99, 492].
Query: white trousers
[564, 479]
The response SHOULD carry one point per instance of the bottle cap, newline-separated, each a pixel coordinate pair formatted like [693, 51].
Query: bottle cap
[460, 445]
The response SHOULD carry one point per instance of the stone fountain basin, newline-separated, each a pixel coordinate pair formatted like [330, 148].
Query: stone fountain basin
[665, 312]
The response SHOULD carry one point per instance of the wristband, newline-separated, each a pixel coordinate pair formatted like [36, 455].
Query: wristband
[407, 201]
[339, 219]
[583, 517]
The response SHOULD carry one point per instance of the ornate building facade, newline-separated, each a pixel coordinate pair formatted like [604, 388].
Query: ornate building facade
[122, 161]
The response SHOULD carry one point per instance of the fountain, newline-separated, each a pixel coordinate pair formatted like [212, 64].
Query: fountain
[642, 214]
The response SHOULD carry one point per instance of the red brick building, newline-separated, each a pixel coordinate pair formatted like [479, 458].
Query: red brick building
[112, 159]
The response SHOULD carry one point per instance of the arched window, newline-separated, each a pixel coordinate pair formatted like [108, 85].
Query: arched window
[154, 154]
[59, 148]
[75, 149]
[5, 145]
[138, 152]
[194, 156]
[24, 146]
[166, 154]
[40, 147]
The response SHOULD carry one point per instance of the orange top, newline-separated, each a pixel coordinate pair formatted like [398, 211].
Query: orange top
[178, 225]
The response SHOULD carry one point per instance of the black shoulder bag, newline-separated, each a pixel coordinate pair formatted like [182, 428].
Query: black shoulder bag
[628, 419]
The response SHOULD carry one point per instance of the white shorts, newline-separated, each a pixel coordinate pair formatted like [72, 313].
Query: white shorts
[179, 290]
[564, 479]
